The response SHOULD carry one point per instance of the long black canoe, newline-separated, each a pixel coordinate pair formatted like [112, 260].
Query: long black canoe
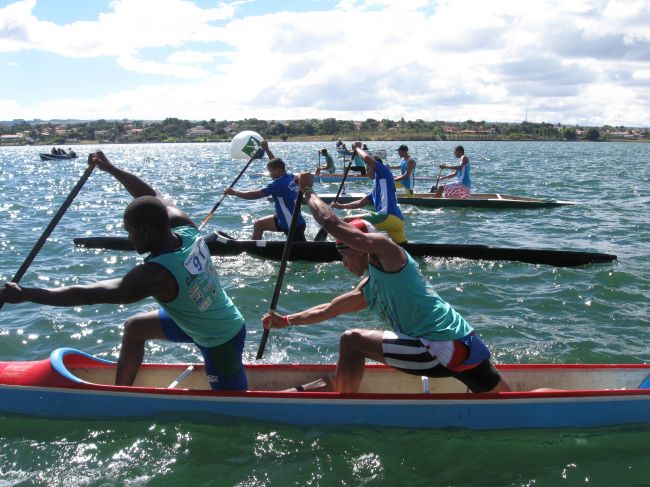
[476, 200]
[326, 251]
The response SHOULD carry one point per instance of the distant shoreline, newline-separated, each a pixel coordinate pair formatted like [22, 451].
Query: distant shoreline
[312, 139]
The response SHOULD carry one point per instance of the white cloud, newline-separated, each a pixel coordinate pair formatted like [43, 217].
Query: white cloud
[191, 57]
[579, 61]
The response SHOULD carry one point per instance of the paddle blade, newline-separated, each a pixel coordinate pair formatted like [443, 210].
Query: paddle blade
[245, 145]
[321, 235]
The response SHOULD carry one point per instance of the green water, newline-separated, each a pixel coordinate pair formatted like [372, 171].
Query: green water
[526, 313]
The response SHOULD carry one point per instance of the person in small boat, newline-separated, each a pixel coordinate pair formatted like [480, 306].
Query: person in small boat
[427, 337]
[330, 167]
[407, 168]
[54, 151]
[339, 143]
[462, 187]
[61, 152]
[178, 273]
[71, 153]
[387, 215]
[284, 191]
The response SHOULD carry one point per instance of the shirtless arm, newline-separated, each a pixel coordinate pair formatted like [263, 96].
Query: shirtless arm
[137, 188]
[142, 281]
[350, 302]
[267, 149]
[247, 195]
[390, 255]
[353, 205]
[409, 169]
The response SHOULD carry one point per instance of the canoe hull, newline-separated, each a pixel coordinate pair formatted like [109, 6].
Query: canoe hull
[326, 251]
[557, 409]
[485, 414]
[477, 200]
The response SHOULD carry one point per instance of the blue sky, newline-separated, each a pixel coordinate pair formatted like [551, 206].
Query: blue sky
[569, 61]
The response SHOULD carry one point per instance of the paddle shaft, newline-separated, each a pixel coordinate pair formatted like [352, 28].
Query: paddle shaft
[50, 228]
[283, 267]
[258, 154]
[322, 233]
[345, 175]
[435, 188]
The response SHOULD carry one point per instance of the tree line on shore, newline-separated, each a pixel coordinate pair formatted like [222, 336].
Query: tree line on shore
[178, 130]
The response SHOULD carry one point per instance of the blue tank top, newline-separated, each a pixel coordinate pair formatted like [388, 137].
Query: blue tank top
[463, 175]
[383, 192]
[408, 183]
[284, 192]
[408, 304]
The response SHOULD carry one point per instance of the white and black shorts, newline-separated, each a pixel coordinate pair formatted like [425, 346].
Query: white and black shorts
[466, 359]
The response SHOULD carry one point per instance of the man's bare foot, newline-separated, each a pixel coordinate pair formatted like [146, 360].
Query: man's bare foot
[326, 384]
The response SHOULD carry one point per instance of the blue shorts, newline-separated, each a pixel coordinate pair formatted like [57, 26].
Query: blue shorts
[223, 363]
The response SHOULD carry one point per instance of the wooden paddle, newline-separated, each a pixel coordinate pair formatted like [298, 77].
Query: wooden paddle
[259, 153]
[322, 233]
[50, 228]
[283, 267]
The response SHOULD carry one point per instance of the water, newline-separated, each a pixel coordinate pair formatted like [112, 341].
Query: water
[526, 313]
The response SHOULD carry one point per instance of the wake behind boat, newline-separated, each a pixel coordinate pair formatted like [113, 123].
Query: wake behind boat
[476, 200]
[73, 384]
[221, 244]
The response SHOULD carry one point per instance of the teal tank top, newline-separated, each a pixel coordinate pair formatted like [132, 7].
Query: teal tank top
[202, 309]
[409, 304]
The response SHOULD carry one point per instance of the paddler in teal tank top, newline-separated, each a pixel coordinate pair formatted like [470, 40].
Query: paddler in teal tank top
[202, 309]
[409, 304]
[428, 337]
[178, 274]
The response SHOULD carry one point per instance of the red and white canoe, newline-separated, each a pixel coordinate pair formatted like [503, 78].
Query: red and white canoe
[72, 384]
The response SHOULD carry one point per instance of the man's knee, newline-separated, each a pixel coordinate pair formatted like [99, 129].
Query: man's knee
[131, 329]
[140, 328]
[352, 339]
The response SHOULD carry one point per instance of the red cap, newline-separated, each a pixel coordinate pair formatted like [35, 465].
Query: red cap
[358, 223]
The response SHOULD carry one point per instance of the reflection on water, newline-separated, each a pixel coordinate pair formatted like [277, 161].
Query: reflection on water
[526, 313]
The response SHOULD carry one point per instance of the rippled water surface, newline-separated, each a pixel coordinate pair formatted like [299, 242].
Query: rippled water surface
[526, 313]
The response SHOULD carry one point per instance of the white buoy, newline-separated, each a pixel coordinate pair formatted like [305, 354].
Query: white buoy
[245, 144]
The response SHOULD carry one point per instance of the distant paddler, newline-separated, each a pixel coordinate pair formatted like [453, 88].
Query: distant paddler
[330, 167]
[284, 191]
[427, 336]
[407, 168]
[178, 273]
[387, 215]
[460, 189]
[357, 162]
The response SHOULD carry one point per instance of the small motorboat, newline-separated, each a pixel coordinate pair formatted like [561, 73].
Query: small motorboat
[56, 157]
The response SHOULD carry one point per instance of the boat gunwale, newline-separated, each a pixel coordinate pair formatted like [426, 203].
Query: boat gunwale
[382, 398]
[83, 360]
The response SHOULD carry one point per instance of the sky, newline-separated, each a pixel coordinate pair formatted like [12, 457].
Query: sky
[556, 61]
